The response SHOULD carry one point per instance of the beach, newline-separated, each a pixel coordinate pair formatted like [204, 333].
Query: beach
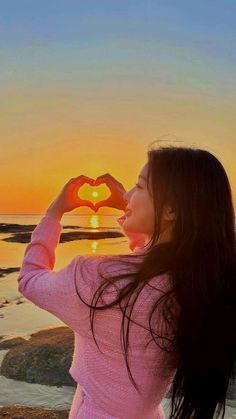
[20, 318]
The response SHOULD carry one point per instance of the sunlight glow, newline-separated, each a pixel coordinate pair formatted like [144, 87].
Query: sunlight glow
[94, 246]
[94, 194]
[94, 221]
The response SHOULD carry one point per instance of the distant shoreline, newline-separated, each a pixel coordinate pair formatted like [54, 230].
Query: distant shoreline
[21, 233]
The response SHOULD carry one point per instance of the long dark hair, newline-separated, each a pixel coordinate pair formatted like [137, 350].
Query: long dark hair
[200, 261]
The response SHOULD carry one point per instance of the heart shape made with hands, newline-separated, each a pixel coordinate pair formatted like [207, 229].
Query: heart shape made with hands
[96, 193]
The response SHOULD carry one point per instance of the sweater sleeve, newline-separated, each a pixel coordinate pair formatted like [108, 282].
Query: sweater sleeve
[136, 240]
[55, 292]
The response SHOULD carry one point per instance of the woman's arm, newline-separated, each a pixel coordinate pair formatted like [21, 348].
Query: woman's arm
[55, 291]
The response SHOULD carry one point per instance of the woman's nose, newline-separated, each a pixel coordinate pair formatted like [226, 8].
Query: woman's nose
[127, 195]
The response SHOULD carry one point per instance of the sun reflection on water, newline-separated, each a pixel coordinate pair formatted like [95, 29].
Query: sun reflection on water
[95, 224]
[94, 246]
[94, 221]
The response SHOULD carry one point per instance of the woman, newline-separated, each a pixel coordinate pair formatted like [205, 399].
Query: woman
[166, 313]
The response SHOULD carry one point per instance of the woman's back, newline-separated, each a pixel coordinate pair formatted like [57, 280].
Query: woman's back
[184, 206]
[104, 374]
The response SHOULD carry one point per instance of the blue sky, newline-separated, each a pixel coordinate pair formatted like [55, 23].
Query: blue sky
[206, 25]
[111, 73]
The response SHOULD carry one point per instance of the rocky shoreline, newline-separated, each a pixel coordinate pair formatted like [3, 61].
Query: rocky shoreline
[22, 233]
[45, 358]
[7, 302]
[24, 412]
[19, 233]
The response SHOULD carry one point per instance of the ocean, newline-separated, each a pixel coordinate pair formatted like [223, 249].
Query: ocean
[79, 238]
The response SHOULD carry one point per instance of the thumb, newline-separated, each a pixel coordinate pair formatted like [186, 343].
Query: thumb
[86, 203]
[101, 204]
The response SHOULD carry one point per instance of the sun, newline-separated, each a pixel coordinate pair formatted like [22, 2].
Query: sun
[94, 195]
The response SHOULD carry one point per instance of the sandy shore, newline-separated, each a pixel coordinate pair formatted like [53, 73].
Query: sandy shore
[19, 318]
[17, 412]
[15, 393]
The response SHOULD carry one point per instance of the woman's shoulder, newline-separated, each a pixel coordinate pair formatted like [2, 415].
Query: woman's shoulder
[121, 263]
[96, 267]
[126, 259]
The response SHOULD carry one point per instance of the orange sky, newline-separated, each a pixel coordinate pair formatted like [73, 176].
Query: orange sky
[47, 137]
[33, 173]
[90, 101]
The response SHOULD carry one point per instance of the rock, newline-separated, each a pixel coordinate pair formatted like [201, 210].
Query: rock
[10, 343]
[22, 234]
[25, 412]
[44, 359]
[6, 271]
[4, 301]
[20, 301]
[14, 228]
[65, 237]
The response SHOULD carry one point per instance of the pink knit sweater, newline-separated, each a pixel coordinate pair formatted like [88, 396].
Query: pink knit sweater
[102, 376]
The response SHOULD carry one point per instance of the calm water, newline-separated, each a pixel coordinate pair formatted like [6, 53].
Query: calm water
[11, 254]
[14, 318]
[23, 319]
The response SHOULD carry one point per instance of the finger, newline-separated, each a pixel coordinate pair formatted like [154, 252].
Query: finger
[85, 203]
[104, 176]
[99, 180]
[103, 203]
[90, 181]
[83, 179]
[108, 179]
[101, 176]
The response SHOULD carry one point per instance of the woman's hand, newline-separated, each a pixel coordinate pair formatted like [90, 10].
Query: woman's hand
[116, 199]
[68, 198]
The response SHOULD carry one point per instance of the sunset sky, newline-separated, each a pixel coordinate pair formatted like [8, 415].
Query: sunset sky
[86, 86]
